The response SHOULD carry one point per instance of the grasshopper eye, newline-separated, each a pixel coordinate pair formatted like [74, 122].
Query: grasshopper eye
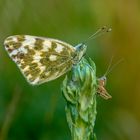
[104, 78]
[102, 81]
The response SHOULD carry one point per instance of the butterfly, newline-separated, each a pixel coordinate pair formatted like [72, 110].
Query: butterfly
[42, 59]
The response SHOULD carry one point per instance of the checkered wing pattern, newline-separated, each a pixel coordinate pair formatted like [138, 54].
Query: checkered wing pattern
[40, 59]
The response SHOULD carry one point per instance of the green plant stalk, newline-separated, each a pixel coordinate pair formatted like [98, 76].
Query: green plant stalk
[79, 90]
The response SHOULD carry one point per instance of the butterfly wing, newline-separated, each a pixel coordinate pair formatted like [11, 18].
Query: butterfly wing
[40, 59]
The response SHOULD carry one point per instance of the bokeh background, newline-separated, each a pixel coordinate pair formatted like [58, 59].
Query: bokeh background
[37, 113]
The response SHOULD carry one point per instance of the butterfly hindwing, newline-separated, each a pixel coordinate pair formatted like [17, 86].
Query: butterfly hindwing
[40, 59]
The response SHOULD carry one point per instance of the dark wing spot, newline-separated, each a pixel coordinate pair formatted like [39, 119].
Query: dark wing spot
[33, 66]
[23, 65]
[53, 45]
[27, 73]
[38, 44]
[35, 72]
[43, 54]
[42, 75]
[29, 51]
[20, 38]
[14, 56]
[9, 50]
[6, 46]
[32, 79]
[43, 61]
[20, 55]
[17, 45]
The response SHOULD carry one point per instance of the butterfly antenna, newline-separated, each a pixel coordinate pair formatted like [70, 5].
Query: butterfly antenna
[109, 69]
[99, 32]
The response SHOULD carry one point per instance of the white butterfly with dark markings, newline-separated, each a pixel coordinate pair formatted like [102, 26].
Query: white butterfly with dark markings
[42, 59]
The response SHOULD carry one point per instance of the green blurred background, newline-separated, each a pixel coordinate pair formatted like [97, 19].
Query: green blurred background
[37, 113]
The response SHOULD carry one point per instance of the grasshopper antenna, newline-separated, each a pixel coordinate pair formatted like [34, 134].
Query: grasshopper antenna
[99, 32]
[110, 68]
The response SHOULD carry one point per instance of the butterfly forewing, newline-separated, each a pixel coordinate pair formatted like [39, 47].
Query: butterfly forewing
[40, 59]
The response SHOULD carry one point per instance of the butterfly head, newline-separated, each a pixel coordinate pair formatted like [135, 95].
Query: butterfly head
[81, 48]
[80, 52]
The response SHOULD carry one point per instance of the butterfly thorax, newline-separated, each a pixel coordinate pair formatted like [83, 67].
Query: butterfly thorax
[79, 53]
